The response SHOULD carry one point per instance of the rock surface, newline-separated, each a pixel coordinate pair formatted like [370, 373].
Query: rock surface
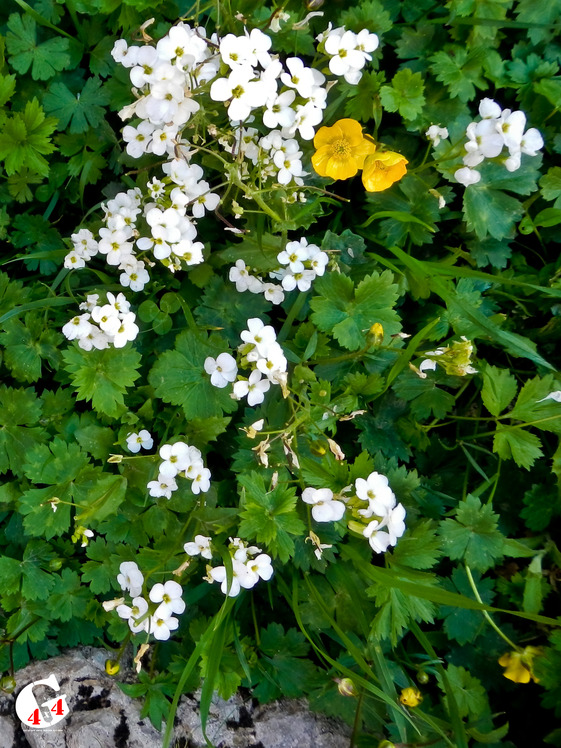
[102, 716]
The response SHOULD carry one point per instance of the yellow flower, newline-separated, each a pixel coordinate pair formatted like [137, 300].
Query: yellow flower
[382, 169]
[341, 149]
[410, 697]
[519, 664]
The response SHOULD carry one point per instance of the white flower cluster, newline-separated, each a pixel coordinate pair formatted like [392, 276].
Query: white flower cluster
[166, 229]
[163, 78]
[497, 129]
[299, 265]
[179, 459]
[101, 326]
[262, 353]
[349, 52]
[249, 564]
[385, 514]
[158, 619]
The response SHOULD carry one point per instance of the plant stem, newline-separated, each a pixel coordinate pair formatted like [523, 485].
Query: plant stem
[490, 621]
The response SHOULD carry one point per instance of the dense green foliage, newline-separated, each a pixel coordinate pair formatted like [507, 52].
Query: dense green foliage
[474, 458]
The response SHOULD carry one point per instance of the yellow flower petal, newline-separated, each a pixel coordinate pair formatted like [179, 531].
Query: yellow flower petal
[382, 169]
[341, 149]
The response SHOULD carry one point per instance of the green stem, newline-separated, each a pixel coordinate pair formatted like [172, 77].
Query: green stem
[490, 621]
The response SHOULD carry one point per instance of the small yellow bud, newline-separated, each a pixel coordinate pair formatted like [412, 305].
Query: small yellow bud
[115, 458]
[376, 334]
[8, 684]
[411, 697]
[386, 744]
[422, 677]
[346, 687]
[112, 667]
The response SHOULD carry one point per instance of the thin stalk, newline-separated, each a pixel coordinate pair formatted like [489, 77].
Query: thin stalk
[490, 621]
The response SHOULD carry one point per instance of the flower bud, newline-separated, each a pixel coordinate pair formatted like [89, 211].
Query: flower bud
[112, 667]
[422, 677]
[8, 684]
[115, 458]
[346, 687]
[376, 334]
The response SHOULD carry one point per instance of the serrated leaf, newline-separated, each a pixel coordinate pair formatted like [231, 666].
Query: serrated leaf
[469, 694]
[499, 389]
[473, 535]
[97, 496]
[56, 463]
[102, 377]
[82, 110]
[419, 548]
[550, 185]
[405, 95]
[25, 140]
[348, 313]
[45, 59]
[269, 516]
[179, 378]
[460, 71]
[521, 446]
[490, 212]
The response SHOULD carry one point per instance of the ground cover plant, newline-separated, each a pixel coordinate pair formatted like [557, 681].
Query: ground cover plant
[280, 306]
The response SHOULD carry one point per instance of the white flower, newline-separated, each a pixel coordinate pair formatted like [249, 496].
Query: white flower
[345, 57]
[255, 388]
[279, 110]
[169, 597]
[200, 480]
[130, 578]
[240, 578]
[161, 626]
[273, 293]
[259, 568]
[163, 486]
[436, 134]
[302, 280]
[222, 369]
[135, 275]
[244, 93]
[300, 77]
[133, 613]
[377, 492]
[379, 540]
[325, 508]
[78, 327]
[489, 109]
[467, 176]
[259, 334]
[240, 275]
[201, 545]
[142, 439]
[177, 457]
[127, 330]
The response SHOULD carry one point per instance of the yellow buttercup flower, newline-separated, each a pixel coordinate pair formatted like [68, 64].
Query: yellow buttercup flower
[341, 149]
[411, 697]
[519, 665]
[382, 169]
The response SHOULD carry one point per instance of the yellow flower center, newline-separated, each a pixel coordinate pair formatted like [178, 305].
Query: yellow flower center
[341, 148]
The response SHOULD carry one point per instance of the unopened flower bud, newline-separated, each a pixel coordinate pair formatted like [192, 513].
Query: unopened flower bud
[115, 458]
[423, 677]
[112, 667]
[8, 684]
[376, 334]
[346, 687]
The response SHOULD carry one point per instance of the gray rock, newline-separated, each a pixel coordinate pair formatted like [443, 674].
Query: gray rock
[102, 716]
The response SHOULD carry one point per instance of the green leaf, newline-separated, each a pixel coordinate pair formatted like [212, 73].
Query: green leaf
[541, 504]
[371, 14]
[10, 572]
[464, 625]
[348, 313]
[56, 463]
[398, 609]
[19, 409]
[473, 536]
[425, 396]
[178, 377]
[82, 111]
[419, 548]
[550, 185]
[499, 389]
[546, 414]
[269, 516]
[521, 446]
[460, 71]
[471, 698]
[40, 519]
[405, 95]
[45, 60]
[541, 18]
[489, 212]
[98, 495]
[24, 140]
[102, 377]
[68, 599]
[361, 104]
[37, 582]
[7, 88]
